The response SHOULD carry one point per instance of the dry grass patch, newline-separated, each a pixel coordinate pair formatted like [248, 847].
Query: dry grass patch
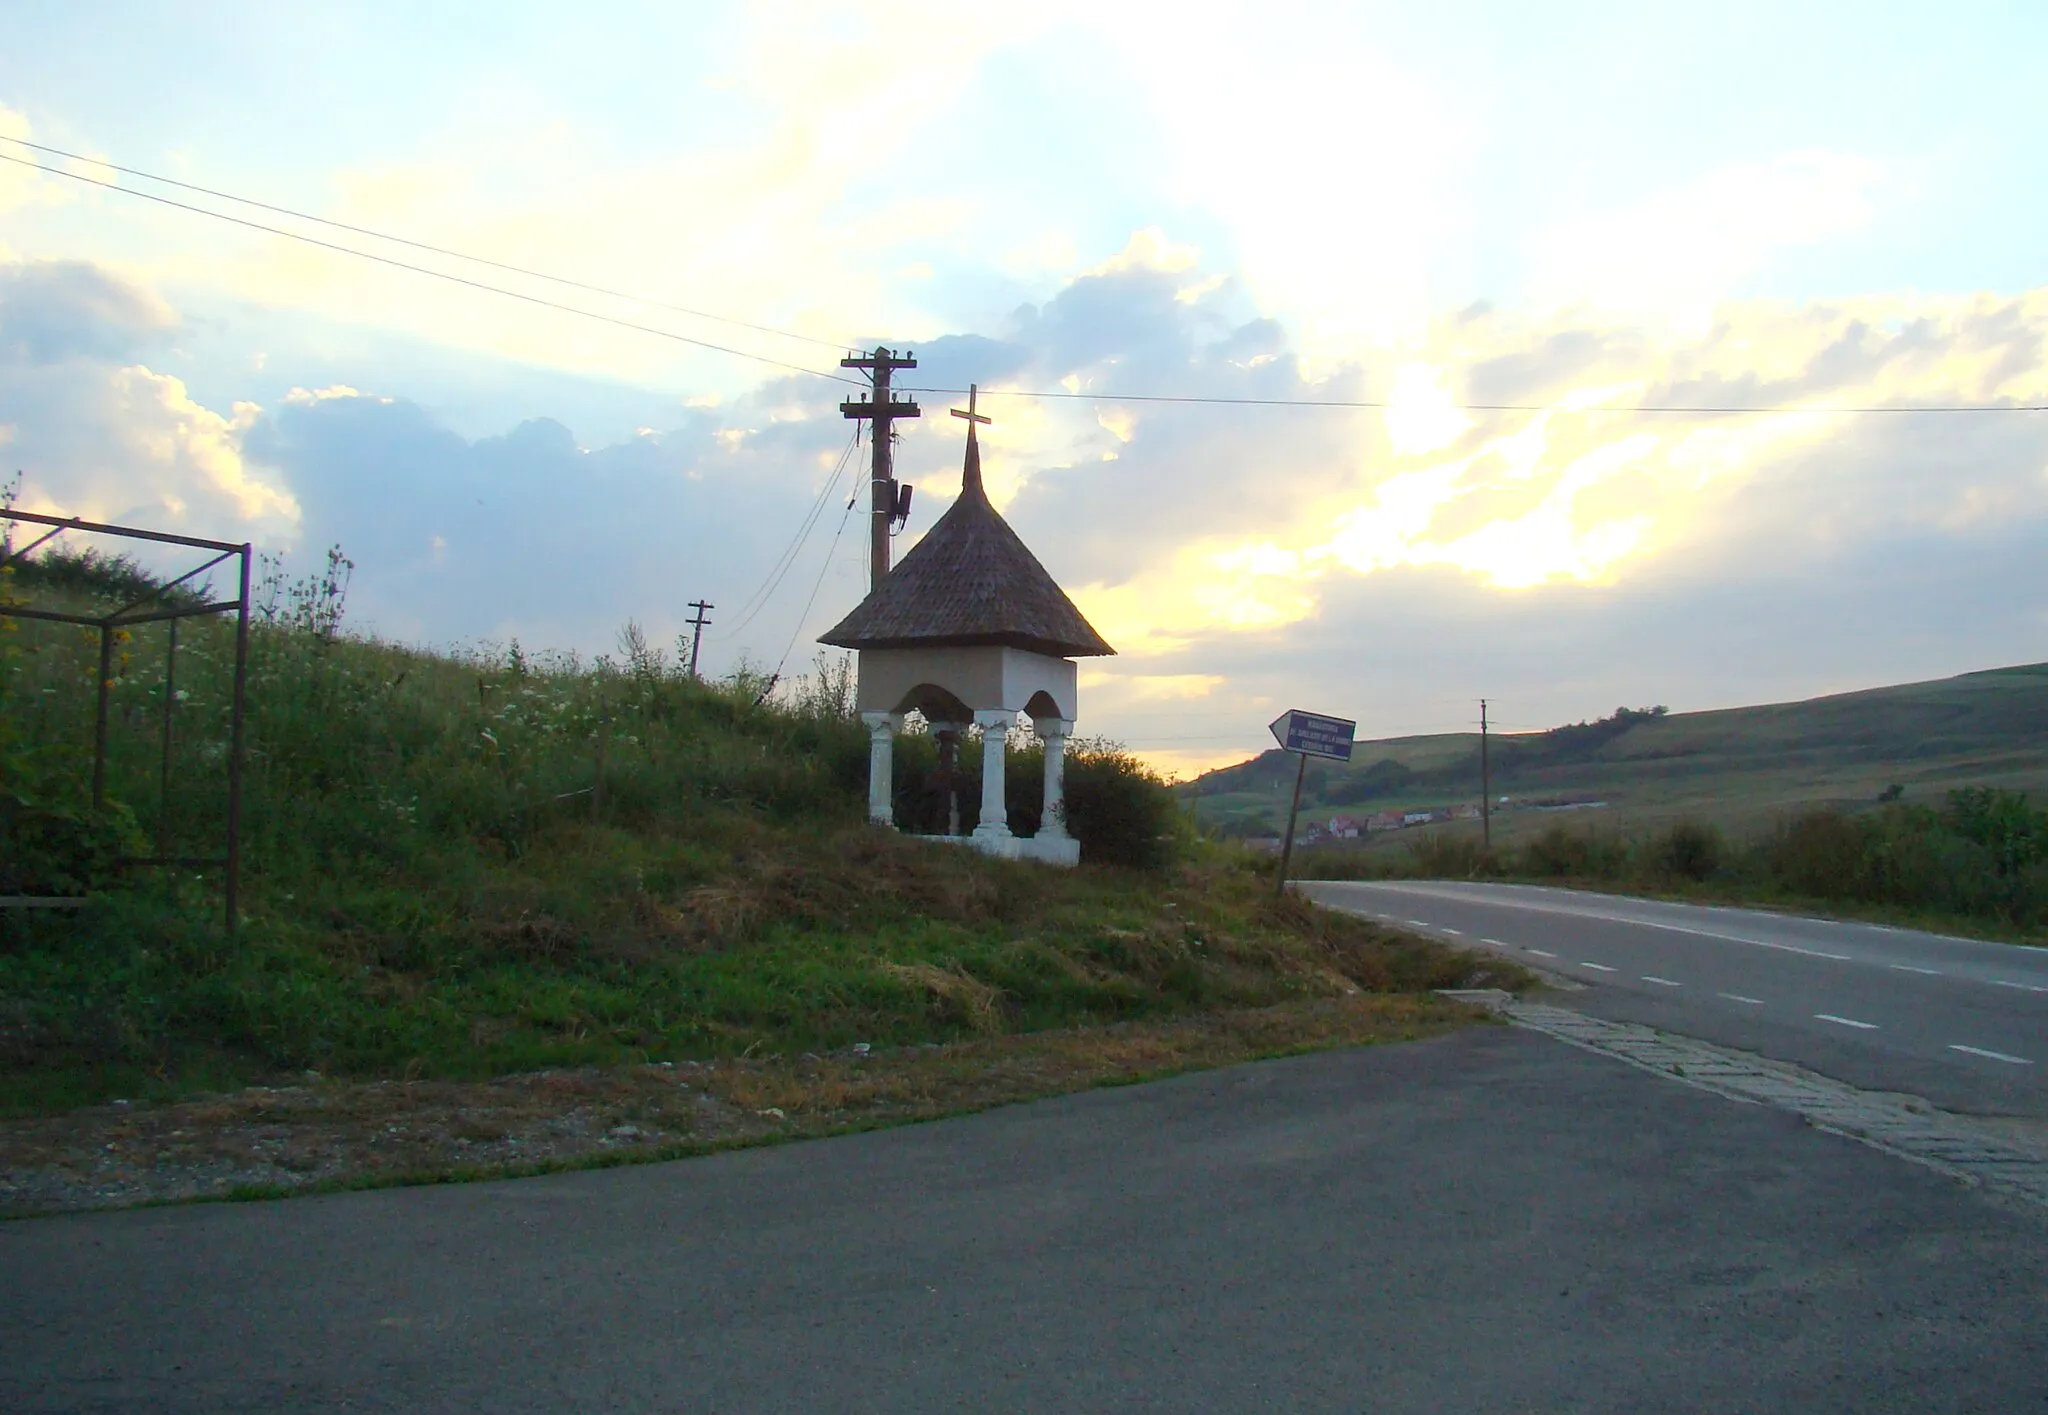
[331, 1134]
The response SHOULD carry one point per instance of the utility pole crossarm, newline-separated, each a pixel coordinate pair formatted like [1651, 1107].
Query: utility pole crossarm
[881, 408]
[700, 623]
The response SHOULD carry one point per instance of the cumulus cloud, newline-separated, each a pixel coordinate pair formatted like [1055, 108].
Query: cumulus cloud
[64, 309]
[1383, 561]
[1579, 551]
[1187, 530]
[528, 534]
[97, 432]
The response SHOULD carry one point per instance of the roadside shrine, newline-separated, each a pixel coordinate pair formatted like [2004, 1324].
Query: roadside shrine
[970, 628]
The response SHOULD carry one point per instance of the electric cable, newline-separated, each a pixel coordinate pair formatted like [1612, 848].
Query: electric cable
[1361, 404]
[818, 584]
[772, 581]
[416, 245]
[1382, 404]
[765, 593]
[1365, 404]
[437, 274]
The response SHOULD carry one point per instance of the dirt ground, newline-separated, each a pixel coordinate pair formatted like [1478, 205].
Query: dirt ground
[325, 1133]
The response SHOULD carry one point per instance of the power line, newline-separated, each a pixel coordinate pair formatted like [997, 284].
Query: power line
[816, 585]
[1365, 404]
[416, 245]
[1381, 404]
[428, 270]
[785, 562]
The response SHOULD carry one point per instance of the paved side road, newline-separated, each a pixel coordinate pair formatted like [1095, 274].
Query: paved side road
[1488, 1221]
[1960, 1021]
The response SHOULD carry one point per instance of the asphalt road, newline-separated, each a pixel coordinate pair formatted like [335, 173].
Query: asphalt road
[1488, 1221]
[1961, 1022]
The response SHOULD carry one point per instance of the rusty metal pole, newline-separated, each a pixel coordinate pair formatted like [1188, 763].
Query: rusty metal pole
[235, 735]
[99, 727]
[163, 811]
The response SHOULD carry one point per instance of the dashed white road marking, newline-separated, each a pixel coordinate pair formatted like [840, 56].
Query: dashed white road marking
[1844, 1021]
[1661, 982]
[1614, 918]
[2023, 987]
[1454, 933]
[1540, 953]
[1498, 944]
[1738, 997]
[1991, 1055]
[1909, 968]
[1418, 923]
[1597, 967]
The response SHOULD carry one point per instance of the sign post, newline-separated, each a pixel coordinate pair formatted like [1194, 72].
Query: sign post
[1307, 734]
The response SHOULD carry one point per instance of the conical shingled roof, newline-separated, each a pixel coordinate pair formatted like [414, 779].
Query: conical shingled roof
[970, 581]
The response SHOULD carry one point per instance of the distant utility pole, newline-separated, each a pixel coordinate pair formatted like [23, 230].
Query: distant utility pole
[887, 501]
[1485, 783]
[699, 623]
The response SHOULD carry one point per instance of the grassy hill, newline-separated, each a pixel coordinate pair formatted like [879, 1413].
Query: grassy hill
[469, 864]
[1737, 768]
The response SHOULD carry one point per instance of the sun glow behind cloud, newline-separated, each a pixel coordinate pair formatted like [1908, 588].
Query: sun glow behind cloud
[1132, 199]
[1581, 493]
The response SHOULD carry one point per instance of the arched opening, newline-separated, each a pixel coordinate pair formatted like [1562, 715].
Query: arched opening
[930, 787]
[935, 704]
[1043, 706]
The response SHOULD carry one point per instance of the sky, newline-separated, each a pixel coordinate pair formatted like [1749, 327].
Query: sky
[1578, 210]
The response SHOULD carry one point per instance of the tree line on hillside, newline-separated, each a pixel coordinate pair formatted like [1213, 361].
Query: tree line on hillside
[1345, 784]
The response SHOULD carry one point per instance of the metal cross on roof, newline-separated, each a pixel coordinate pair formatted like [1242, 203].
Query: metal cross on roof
[972, 416]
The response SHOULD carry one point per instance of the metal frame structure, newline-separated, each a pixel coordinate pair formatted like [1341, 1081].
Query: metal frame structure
[137, 612]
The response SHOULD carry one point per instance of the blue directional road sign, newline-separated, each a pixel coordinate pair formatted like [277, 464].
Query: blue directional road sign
[1314, 735]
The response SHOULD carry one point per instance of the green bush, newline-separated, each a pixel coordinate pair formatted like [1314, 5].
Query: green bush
[62, 849]
[2015, 835]
[1689, 850]
[1559, 852]
[1121, 811]
[1440, 855]
[1819, 853]
[52, 840]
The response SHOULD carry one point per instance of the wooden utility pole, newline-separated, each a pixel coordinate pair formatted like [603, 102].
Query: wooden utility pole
[1485, 783]
[880, 409]
[698, 624]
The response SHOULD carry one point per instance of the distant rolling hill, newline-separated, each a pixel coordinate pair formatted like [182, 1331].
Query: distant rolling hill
[1735, 766]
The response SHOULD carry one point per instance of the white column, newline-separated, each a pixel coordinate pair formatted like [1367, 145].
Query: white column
[995, 740]
[882, 766]
[1054, 731]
